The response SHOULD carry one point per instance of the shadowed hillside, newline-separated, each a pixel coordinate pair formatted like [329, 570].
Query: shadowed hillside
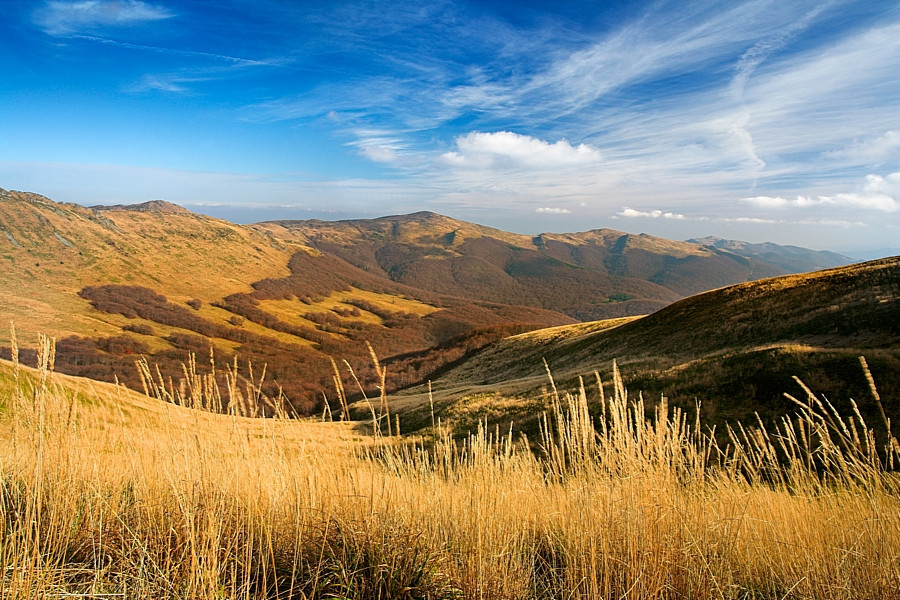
[790, 258]
[114, 283]
[596, 274]
[426, 291]
[734, 349]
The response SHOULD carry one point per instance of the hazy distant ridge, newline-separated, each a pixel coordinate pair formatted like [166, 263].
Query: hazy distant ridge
[793, 259]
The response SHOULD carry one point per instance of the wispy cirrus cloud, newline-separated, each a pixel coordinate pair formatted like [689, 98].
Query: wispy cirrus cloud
[753, 126]
[725, 112]
[90, 21]
[753, 58]
[65, 18]
[235, 60]
[664, 111]
[164, 83]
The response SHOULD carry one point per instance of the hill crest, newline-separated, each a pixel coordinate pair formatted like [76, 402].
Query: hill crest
[425, 290]
[154, 206]
[734, 350]
[601, 273]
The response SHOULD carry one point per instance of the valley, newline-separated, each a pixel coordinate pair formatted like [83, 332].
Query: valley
[734, 352]
[449, 444]
[425, 291]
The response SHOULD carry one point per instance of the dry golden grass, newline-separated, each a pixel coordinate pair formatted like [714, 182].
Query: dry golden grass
[293, 310]
[62, 248]
[418, 228]
[107, 494]
[634, 242]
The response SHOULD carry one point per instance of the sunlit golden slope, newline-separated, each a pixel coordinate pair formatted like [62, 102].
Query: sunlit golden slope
[100, 407]
[154, 279]
[49, 251]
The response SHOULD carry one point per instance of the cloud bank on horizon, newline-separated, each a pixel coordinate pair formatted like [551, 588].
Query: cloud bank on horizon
[757, 119]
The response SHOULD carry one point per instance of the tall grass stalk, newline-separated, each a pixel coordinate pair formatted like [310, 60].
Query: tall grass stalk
[107, 494]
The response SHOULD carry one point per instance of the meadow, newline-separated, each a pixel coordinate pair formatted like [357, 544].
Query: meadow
[106, 493]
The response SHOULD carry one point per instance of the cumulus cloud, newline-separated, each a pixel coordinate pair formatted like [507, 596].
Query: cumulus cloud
[877, 193]
[650, 214]
[767, 201]
[61, 18]
[504, 149]
[887, 186]
[553, 211]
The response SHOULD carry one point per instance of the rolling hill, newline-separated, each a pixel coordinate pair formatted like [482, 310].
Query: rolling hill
[793, 259]
[112, 283]
[592, 275]
[735, 350]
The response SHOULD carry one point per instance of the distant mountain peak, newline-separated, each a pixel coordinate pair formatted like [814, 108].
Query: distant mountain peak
[154, 206]
[12, 195]
[791, 258]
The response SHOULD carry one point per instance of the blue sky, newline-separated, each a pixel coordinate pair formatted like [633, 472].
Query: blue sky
[756, 120]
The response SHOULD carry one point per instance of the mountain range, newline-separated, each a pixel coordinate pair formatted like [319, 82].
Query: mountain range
[425, 291]
[596, 274]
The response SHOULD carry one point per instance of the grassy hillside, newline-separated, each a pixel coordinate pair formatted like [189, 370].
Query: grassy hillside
[113, 283]
[49, 251]
[107, 494]
[595, 274]
[734, 349]
[425, 291]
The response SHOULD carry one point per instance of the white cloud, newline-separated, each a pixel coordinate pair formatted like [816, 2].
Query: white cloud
[872, 150]
[843, 223]
[651, 214]
[876, 194]
[769, 106]
[745, 140]
[767, 201]
[61, 18]
[752, 220]
[755, 56]
[162, 83]
[553, 211]
[867, 201]
[378, 145]
[379, 154]
[889, 185]
[504, 149]
[816, 222]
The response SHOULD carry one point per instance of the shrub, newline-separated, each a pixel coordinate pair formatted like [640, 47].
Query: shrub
[140, 328]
